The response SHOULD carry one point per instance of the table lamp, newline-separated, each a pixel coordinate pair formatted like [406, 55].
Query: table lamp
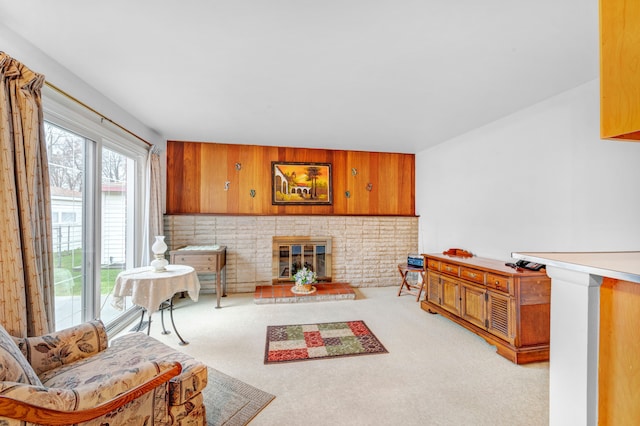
[159, 264]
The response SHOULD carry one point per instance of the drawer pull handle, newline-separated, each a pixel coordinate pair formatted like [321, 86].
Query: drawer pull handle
[472, 275]
[497, 282]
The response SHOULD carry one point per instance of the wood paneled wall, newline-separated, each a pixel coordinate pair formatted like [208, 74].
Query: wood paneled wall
[619, 357]
[197, 172]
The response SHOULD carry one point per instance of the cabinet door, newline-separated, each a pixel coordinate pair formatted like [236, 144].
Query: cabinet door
[619, 56]
[450, 295]
[500, 321]
[433, 287]
[472, 304]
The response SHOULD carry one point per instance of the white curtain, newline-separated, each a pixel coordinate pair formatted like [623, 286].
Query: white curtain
[153, 205]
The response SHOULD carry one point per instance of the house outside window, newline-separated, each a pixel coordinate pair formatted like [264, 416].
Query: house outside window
[96, 182]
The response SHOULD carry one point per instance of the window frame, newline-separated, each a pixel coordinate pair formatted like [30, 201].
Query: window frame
[66, 113]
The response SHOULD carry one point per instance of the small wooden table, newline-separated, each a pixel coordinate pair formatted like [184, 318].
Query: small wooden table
[205, 259]
[415, 289]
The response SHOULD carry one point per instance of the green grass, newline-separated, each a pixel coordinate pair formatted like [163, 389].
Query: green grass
[68, 265]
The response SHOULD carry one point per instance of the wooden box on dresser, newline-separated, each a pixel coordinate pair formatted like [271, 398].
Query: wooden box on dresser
[509, 308]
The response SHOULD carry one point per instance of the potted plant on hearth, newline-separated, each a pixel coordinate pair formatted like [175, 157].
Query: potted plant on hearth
[304, 279]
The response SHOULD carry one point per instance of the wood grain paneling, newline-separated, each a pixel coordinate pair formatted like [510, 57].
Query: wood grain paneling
[211, 196]
[619, 358]
[182, 186]
[197, 172]
[619, 61]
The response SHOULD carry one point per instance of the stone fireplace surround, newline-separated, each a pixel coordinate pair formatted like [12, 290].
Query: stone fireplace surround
[366, 249]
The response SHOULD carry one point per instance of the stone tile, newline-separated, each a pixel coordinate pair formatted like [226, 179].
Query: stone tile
[365, 249]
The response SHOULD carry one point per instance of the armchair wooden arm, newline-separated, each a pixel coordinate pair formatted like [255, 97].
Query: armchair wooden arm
[20, 410]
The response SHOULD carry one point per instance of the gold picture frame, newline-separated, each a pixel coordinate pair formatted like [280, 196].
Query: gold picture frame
[294, 183]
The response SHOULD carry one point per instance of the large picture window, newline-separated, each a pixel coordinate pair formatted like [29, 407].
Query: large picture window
[97, 190]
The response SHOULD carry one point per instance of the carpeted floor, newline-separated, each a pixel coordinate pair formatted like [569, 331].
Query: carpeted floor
[286, 343]
[231, 402]
[435, 373]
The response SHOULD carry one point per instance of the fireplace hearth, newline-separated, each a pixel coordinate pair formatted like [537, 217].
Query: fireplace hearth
[281, 293]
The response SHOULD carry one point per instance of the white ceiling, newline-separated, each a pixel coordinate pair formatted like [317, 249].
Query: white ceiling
[374, 75]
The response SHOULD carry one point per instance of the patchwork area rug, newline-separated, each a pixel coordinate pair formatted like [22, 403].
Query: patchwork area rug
[231, 402]
[286, 343]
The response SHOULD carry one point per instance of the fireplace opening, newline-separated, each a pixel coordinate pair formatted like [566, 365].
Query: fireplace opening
[293, 253]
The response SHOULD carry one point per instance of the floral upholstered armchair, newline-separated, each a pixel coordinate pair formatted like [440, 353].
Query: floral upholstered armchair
[74, 377]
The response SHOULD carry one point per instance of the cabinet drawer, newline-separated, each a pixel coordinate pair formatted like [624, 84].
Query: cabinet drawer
[433, 264]
[472, 275]
[450, 269]
[499, 282]
[201, 263]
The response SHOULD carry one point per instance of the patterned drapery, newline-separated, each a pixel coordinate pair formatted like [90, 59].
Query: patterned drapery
[153, 206]
[26, 255]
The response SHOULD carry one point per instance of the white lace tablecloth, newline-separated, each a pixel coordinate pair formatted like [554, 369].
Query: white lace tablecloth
[149, 289]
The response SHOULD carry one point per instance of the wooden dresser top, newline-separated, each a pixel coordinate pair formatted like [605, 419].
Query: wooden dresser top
[487, 264]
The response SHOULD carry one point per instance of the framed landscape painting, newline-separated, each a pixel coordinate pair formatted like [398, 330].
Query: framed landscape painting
[300, 183]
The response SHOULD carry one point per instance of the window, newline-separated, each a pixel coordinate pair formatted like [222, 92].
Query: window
[96, 180]
[68, 217]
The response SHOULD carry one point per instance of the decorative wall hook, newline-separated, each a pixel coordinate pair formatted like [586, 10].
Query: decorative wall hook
[354, 171]
[226, 185]
[238, 166]
[252, 193]
[369, 186]
[347, 194]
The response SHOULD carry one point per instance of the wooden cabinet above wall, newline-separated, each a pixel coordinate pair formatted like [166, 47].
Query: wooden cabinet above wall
[197, 173]
[620, 69]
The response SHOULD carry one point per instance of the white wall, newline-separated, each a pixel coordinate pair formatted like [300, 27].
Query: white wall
[38, 61]
[23, 51]
[538, 180]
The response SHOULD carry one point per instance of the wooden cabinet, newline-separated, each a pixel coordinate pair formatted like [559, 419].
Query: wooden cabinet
[451, 295]
[434, 287]
[443, 292]
[205, 260]
[619, 75]
[203, 263]
[508, 308]
[500, 319]
[472, 304]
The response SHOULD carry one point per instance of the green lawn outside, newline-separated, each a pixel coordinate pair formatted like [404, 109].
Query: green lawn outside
[68, 274]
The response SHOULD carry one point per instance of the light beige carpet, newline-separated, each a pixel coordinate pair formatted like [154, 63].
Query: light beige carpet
[231, 402]
[436, 373]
